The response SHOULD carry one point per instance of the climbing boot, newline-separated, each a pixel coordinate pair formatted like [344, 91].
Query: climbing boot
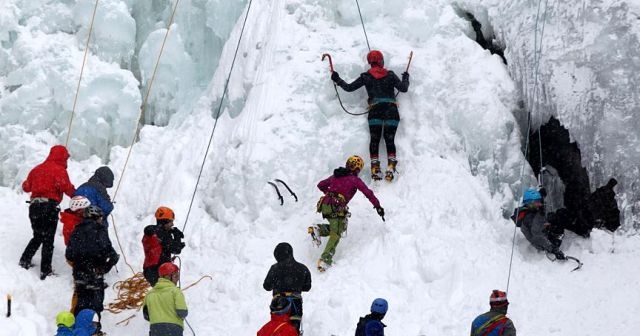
[376, 173]
[315, 236]
[322, 266]
[391, 170]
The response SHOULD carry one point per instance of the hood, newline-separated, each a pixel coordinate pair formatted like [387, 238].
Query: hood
[84, 321]
[378, 71]
[283, 251]
[104, 176]
[58, 155]
[341, 172]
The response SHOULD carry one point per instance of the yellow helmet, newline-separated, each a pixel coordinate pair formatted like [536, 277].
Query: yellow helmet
[355, 163]
[66, 319]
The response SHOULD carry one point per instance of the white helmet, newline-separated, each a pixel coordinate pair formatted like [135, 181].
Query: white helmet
[79, 202]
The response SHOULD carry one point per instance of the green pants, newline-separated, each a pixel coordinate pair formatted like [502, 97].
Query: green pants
[334, 230]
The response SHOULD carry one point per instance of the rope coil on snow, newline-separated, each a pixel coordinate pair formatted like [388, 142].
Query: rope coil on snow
[84, 61]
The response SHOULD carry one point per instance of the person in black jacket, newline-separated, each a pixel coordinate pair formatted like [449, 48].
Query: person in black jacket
[92, 256]
[160, 242]
[383, 109]
[288, 278]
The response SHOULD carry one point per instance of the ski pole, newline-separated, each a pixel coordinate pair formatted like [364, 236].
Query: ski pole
[410, 58]
[330, 61]
[8, 305]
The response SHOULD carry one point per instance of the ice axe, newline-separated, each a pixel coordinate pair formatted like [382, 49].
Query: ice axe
[408, 64]
[330, 61]
[8, 305]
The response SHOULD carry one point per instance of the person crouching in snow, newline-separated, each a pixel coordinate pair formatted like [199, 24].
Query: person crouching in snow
[73, 216]
[87, 324]
[338, 190]
[371, 325]
[164, 306]
[159, 242]
[532, 222]
[280, 324]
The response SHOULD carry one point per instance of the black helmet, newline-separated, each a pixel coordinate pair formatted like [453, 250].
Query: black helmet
[93, 212]
[280, 305]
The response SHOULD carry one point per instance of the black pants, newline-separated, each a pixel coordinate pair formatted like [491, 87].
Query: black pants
[44, 221]
[383, 123]
[88, 293]
[151, 274]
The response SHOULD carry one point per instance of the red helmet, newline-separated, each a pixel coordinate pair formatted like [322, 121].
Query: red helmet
[167, 269]
[498, 299]
[375, 57]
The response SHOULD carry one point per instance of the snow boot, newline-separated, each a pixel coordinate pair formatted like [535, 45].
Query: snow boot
[315, 236]
[322, 266]
[391, 170]
[25, 264]
[45, 274]
[376, 173]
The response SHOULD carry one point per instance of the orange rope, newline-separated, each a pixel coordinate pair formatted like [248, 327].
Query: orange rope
[84, 61]
[131, 294]
[195, 283]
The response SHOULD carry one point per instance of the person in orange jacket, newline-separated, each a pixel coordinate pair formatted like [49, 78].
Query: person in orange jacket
[280, 324]
[47, 182]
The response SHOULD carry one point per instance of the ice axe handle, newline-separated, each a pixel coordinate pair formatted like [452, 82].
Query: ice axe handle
[410, 58]
[330, 61]
[8, 305]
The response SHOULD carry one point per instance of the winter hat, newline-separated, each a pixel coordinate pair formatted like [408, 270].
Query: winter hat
[280, 305]
[531, 195]
[167, 269]
[105, 175]
[379, 306]
[66, 319]
[498, 299]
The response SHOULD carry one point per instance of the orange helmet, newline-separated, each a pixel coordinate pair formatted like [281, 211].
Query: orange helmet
[165, 213]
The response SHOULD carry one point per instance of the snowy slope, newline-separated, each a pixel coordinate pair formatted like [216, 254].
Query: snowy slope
[445, 244]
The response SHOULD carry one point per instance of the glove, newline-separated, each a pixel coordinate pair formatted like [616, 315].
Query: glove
[405, 76]
[560, 255]
[335, 76]
[380, 211]
[177, 233]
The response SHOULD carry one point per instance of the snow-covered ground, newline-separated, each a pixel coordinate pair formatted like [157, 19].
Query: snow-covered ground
[445, 244]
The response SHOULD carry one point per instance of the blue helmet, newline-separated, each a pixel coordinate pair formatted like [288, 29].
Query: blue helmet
[379, 306]
[531, 195]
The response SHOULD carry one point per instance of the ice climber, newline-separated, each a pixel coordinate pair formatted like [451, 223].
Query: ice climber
[371, 324]
[47, 182]
[65, 321]
[338, 190]
[280, 324]
[92, 256]
[73, 215]
[383, 109]
[96, 191]
[494, 322]
[164, 306]
[159, 242]
[532, 222]
[86, 324]
[288, 279]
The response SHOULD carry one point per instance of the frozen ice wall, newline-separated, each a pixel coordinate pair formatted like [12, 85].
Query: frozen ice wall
[588, 78]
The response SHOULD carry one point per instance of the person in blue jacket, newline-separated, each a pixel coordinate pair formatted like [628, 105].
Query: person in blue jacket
[96, 191]
[85, 325]
[371, 325]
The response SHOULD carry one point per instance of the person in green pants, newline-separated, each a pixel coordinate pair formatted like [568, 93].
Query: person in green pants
[338, 190]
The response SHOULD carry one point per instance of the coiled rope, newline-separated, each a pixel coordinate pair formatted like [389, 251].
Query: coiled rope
[84, 61]
[215, 124]
[537, 55]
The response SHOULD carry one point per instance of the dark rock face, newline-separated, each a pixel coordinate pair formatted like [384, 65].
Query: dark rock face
[584, 210]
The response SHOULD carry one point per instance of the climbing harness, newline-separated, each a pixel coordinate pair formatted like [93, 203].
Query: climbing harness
[278, 190]
[215, 124]
[84, 61]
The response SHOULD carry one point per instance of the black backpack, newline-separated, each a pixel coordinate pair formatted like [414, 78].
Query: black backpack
[360, 328]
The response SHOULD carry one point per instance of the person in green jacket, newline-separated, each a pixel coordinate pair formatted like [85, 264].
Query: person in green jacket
[164, 306]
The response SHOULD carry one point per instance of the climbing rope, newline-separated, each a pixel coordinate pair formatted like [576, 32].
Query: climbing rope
[84, 61]
[130, 295]
[526, 149]
[124, 256]
[363, 29]
[215, 124]
[537, 55]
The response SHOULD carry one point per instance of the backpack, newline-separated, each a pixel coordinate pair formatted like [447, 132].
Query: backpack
[360, 328]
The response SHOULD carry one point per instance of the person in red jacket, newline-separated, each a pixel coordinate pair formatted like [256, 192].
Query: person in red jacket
[73, 216]
[280, 325]
[160, 241]
[47, 182]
